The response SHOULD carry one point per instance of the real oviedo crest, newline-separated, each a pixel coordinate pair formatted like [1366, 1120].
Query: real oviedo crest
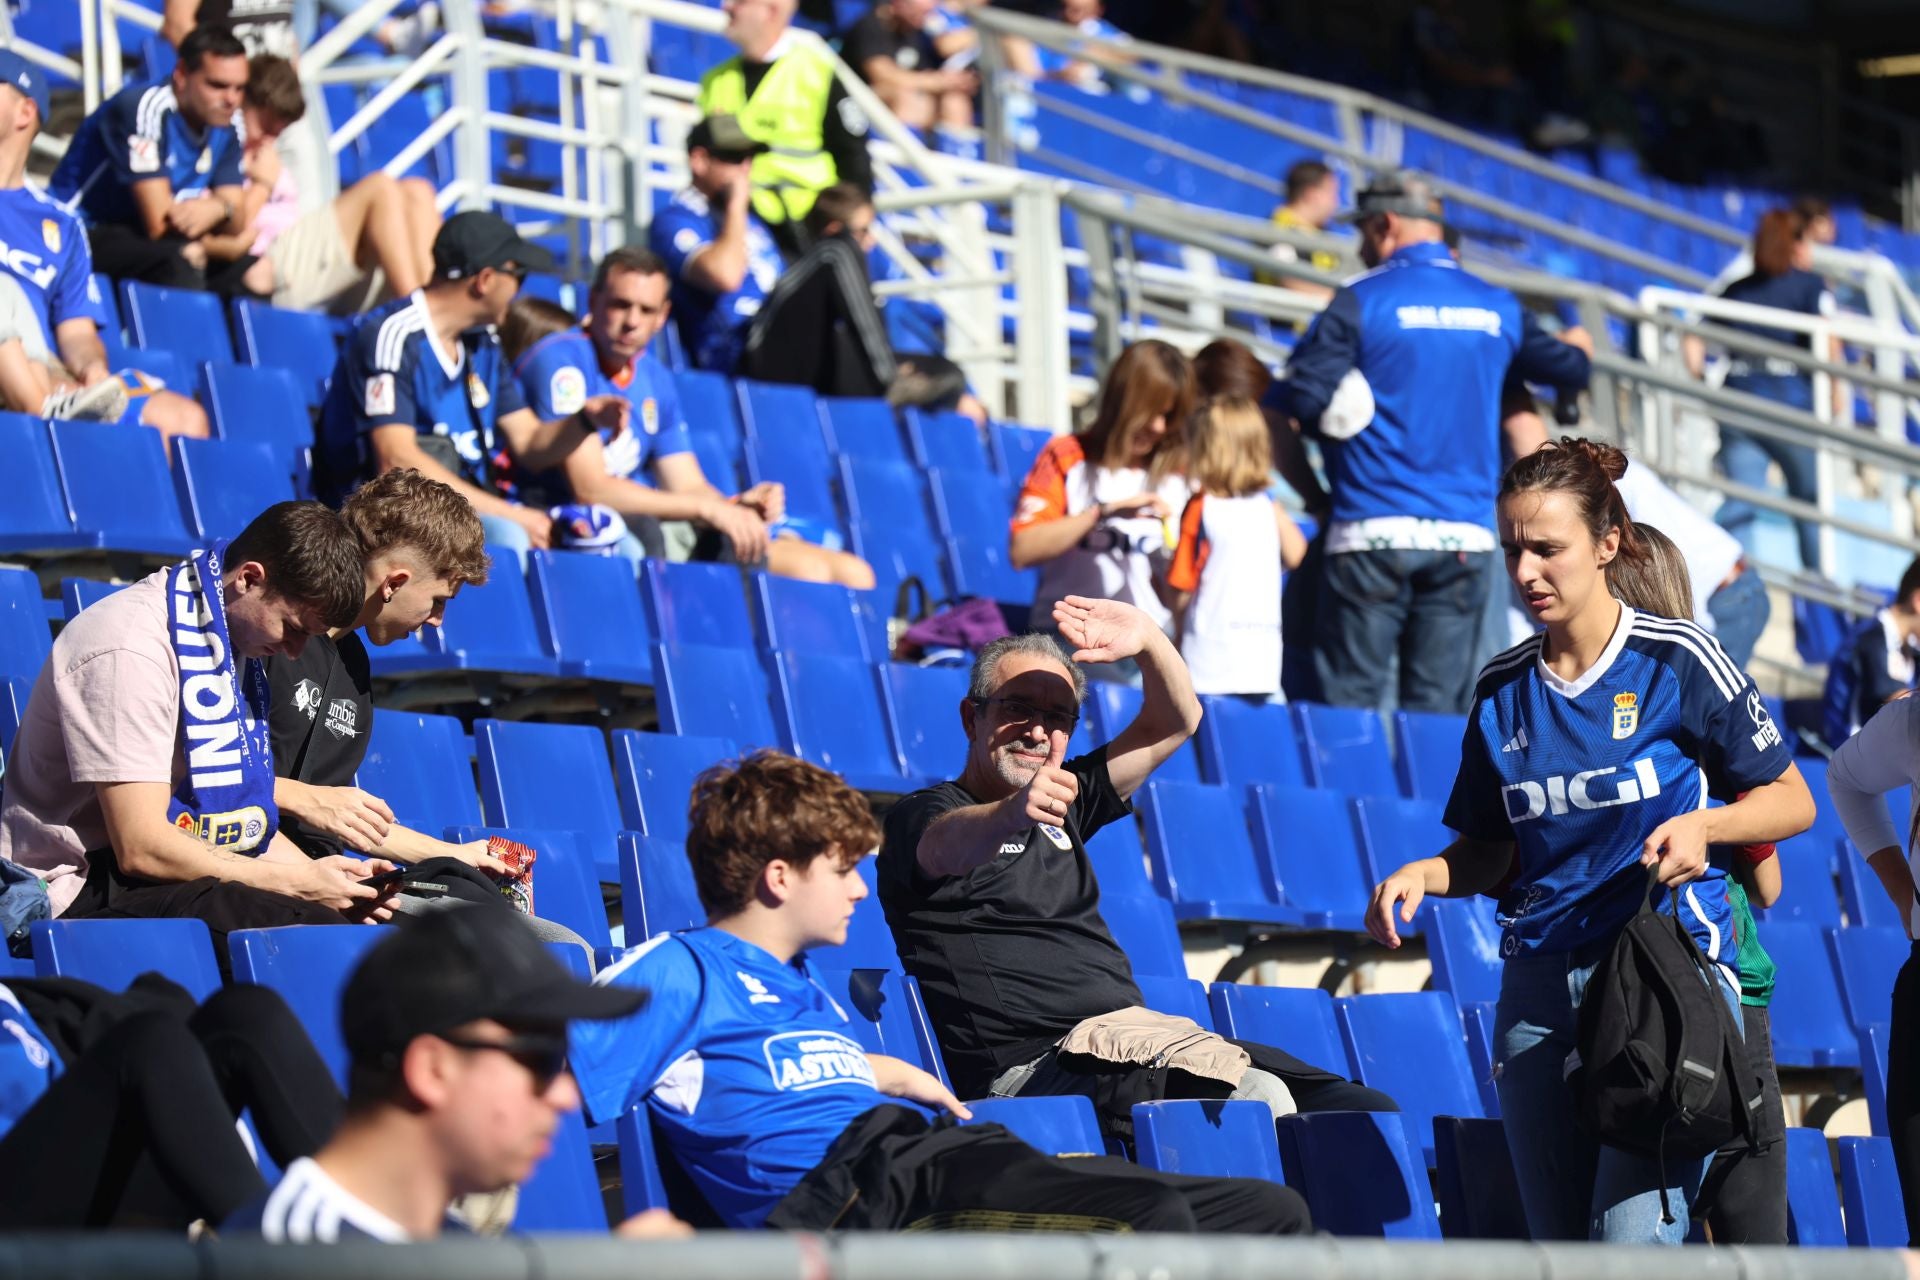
[1626, 714]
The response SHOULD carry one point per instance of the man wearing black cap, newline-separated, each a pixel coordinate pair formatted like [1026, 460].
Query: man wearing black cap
[423, 383]
[722, 257]
[456, 1032]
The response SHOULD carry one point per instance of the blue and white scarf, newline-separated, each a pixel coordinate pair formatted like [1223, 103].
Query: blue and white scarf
[227, 797]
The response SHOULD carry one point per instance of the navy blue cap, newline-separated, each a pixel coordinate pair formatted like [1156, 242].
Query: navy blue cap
[27, 78]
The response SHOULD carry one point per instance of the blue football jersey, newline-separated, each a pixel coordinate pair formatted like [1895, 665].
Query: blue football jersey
[45, 251]
[28, 1063]
[713, 327]
[746, 1063]
[561, 372]
[1578, 774]
[308, 1207]
[393, 372]
[136, 135]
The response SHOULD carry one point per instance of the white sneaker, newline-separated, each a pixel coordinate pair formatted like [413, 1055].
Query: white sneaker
[101, 402]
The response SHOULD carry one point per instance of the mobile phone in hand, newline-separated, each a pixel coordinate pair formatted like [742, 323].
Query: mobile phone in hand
[386, 879]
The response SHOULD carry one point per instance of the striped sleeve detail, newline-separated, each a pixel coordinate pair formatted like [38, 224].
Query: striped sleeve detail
[1190, 557]
[1043, 497]
[1705, 650]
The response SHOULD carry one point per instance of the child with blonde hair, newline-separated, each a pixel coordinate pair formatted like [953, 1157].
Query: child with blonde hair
[1234, 541]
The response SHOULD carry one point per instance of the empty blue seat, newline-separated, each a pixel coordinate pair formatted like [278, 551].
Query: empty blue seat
[1474, 1180]
[1202, 857]
[1810, 1027]
[804, 471]
[869, 943]
[25, 639]
[304, 343]
[1870, 1192]
[565, 888]
[1222, 1139]
[1359, 1175]
[419, 765]
[1872, 1042]
[1861, 895]
[1428, 753]
[35, 517]
[1464, 941]
[865, 428]
[1867, 961]
[1058, 1126]
[1249, 742]
[223, 484]
[1297, 1019]
[1346, 749]
[489, 630]
[926, 717]
[810, 617]
[309, 966]
[1410, 1045]
[187, 323]
[831, 711]
[550, 777]
[714, 693]
[1478, 1018]
[657, 892]
[1178, 996]
[886, 1014]
[1143, 926]
[1307, 838]
[1813, 1210]
[1119, 863]
[697, 604]
[892, 525]
[590, 616]
[77, 594]
[1806, 885]
[708, 404]
[949, 442]
[260, 405]
[118, 486]
[564, 1192]
[1394, 831]
[14, 692]
[772, 411]
[973, 513]
[653, 777]
[1111, 707]
[1015, 447]
[111, 953]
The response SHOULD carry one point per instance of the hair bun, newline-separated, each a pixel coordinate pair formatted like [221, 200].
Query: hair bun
[1608, 459]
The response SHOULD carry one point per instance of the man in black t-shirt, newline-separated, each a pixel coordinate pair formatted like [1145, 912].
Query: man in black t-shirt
[893, 51]
[993, 902]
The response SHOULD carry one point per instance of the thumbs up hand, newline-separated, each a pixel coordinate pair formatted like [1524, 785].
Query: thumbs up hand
[1050, 793]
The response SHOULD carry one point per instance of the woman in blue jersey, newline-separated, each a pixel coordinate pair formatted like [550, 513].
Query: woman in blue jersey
[1589, 755]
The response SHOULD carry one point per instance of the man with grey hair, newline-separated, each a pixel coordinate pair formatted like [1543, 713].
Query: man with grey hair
[992, 899]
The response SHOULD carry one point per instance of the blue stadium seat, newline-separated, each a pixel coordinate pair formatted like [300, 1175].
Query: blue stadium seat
[1359, 1174]
[1474, 1180]
[973, 513]
[892, 525]
[1310, 845]
[831, 711]
[1015, 447]
[926, 717]
[564, 1193]
[1411, 1046]
[419, 765]
[1806, 885]
[949, 442]
[864, 428]
[653, 776]
[35, 517]
[111, 953]
[642, 1185]
[1178, 996]
[14, 692]
[1813, 1209]
[1297, 1019]
[187, 323]
[707, 401]
[657, 893]
[1872, 1041]
[1346, 749]
[118, 486]
[1867, 961]
[25, 639]
[1057, 1126]
[805, 471]
[1428, 753]
[1143, 927]
[489, 629]
[550, 777]
[223, 484]
[869, 943]
[1119, 863]
[1810, 1027]
[1249, 742]
[1394, 831]
[1111, 707]
[714, 693]
[309, 966]
[77, 593]
[565, 889]
[1220, 1139]
[304, 343]
[1876, 1215]
[697, 604]
[261, 405]
[1202, 857]
[1478, 1019]
[772, 411]
[810, 617]
[590, 616]
[1861, 895]
[886, 1012]
[1464, 942]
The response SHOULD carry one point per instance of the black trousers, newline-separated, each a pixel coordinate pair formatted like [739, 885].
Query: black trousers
[138, 1132]
[1745, 1192]
[223, 904]
[1903, 1090]
[127, 253]
[820, 327]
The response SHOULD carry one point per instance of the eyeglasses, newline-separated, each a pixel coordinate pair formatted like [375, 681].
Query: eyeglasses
[1020, 711]
[544, 1057]
[514, 269]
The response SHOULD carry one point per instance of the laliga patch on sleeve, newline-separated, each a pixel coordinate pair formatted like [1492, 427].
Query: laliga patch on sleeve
[143, 154]
[568, 390]
[379, 398]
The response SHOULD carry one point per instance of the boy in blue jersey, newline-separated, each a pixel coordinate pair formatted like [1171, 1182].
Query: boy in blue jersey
[1409, 539]
[52, 362]
[748, 1068]
[722, 256]
[423, 383]
[156, 169]
[1590, 754]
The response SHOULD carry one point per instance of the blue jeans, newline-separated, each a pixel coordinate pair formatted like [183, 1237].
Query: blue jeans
[1571, 1187]
[1424, 606]
[1744, 459]
[1740, 611]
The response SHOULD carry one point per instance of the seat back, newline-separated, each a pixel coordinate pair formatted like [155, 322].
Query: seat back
[258, 405]
[892, 525]
[886, 1014]
[1212, 1139]
[811, 617]
[1870, 1191]
[780, 411]
[25, 640]
[1111, 707]
[831, 712]
[1813, 1207]
[1250, 742]
[973, 513]
[1143, 926]
[418, 764]
[111, 953]
[1861, 895]
[548, 777]
[309, 966]
[1464, 941]
[926, 717]
[1806, 884]
[1346, 749]
[657, 893]
[77, 594]
[869, 943]
[1119, 862]
[1301, 1018]
[1359, 1174]
[1410, 1045]
[1427, 753]
[1394, 831]
[14, 691]
[1015, 447]
[1056, 1126]
[119, 487]
[35, 515]
[1178, 995]
[304, 343]
[1199, 849]
[1474, 1179]
[653, 777]
[223, 484]
[564, 1193]
[1313, 851]
[697, 604]
[589, 612]
[181, 321]
[949, 442]
[708, 404]
[714, 693]
[864, 428]
[493, 624]
[1867, 961]
[1810, 1027]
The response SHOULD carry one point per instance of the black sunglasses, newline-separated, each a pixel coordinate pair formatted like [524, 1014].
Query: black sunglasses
[544, 1057]
[514, 269]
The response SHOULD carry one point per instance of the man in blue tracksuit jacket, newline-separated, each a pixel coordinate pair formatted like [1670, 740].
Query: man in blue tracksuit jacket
[1400, 380]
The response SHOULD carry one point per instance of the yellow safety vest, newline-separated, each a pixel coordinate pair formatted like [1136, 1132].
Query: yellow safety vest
[787, 112]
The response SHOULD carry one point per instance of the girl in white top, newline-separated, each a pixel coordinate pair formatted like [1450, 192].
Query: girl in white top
[1096, 512]
[1233, 541]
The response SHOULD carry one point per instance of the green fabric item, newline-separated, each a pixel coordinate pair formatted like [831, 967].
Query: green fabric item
[1755, 965]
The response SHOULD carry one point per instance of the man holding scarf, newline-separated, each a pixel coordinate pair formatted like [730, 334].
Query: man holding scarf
[141, 782]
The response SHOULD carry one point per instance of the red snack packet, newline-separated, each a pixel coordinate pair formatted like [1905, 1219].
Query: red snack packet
[517, 888]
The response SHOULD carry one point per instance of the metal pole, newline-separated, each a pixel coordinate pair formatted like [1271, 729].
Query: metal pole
[1041, 333]
[472, 156]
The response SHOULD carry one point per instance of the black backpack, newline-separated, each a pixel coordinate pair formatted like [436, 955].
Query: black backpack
[1662, 1068]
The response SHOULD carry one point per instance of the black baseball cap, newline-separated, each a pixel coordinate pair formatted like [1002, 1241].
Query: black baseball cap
[1408, 194]
[446, 968]
[471, 241]
[724, 138]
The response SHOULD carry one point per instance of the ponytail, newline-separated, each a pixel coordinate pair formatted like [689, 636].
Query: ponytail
[1585, 469]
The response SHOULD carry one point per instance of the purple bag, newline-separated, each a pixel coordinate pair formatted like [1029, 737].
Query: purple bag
[966, 624]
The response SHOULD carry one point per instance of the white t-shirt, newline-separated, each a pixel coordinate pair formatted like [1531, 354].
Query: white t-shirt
[1710, 551]
[1229, 558]
[1884, 756]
